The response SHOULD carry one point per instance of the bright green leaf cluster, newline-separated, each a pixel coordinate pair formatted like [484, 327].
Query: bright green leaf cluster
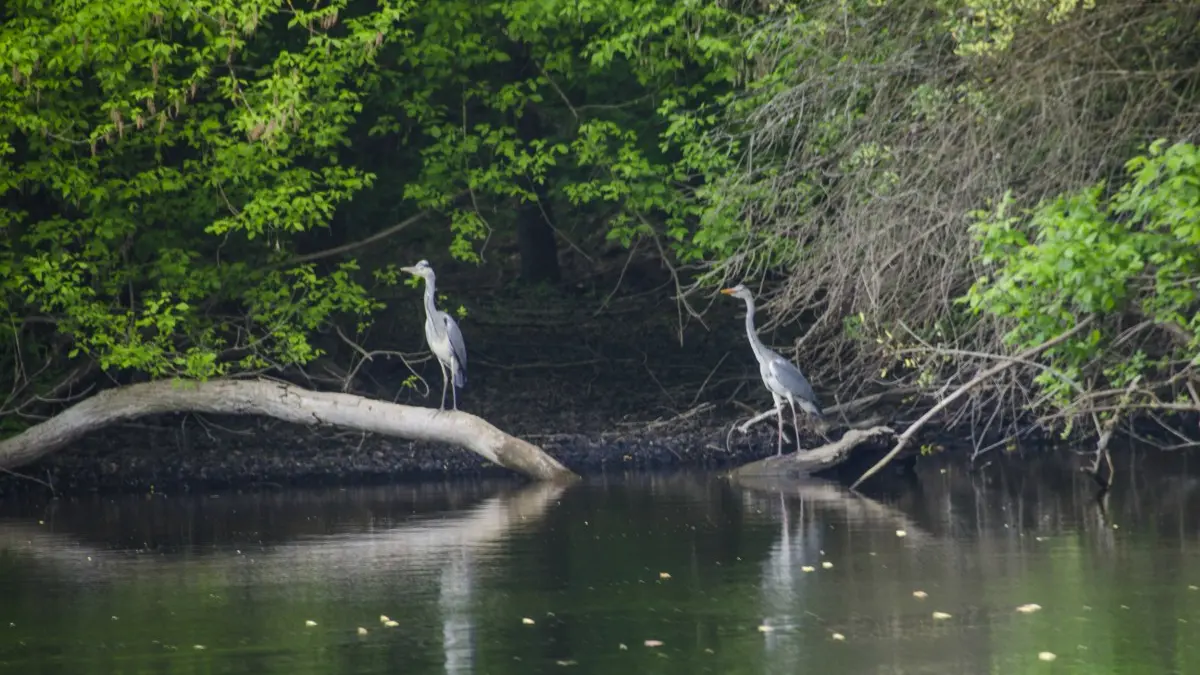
[1133, 251]
[162, 155]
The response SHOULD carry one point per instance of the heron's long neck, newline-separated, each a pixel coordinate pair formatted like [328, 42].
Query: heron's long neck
[430, 308]
[755, 343]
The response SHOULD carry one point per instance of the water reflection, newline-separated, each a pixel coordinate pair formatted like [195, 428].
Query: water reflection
[696, 562]
[454, 599]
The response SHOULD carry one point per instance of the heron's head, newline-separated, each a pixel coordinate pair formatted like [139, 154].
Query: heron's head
[739, 291]
[421, 269]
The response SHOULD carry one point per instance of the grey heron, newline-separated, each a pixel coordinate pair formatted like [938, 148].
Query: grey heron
[442, 333]
[783, 380]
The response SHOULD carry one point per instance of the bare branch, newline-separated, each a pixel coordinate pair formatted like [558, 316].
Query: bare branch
[913, 428]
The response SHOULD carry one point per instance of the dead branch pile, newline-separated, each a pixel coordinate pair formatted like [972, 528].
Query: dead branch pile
[859, 172]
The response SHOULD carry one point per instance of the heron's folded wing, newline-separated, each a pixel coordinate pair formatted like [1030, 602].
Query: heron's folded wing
[792, 379]
[456, 342]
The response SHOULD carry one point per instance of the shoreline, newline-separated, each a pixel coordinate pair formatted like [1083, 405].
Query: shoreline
[174, 454]
[630, 391]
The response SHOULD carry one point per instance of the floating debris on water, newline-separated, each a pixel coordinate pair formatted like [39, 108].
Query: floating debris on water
[383, 618]
[310, 623]
[765, 628]
[808, 568]
[199, 647]
[653, 643]
[567, 663]
[940, 615]
[362, 631]
[920, 595]
[664, 575]
[1030, 608]
[838, 636]
[527, 621]
[827, 564]
[623, 647]
[901, 533]
[1046, 656]
[1194, 588]
[391, 624]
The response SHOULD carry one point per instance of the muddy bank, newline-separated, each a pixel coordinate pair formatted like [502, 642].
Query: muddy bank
[181, 453]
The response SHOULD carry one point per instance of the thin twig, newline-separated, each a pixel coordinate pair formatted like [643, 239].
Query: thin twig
[909, 433]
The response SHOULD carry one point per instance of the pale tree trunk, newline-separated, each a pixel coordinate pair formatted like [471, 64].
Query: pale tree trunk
[286, 402]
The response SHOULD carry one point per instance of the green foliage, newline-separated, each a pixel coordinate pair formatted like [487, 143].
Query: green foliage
[620, 89]
[161, 161]
[988, 27]
[1132, 251]
[157, 159]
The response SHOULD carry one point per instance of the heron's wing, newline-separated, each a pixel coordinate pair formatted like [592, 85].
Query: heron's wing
[791, 378]
[456, 341]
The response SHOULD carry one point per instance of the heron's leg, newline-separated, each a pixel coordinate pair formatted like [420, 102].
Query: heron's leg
[795, 422]
[453, 388]
[779, 419]
[443, 367]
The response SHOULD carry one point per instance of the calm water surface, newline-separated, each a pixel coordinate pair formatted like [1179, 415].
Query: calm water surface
[502, 578]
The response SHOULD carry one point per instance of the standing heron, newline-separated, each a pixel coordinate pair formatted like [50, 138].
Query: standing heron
[783, 380]
[442, 333]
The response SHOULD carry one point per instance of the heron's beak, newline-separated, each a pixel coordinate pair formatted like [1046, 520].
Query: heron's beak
[727, 291]
[410, 270]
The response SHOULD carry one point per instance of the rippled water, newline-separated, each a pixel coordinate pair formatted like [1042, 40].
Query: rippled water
[500, 578]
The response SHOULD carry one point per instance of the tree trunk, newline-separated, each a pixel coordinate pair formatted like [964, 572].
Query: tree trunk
[288, 403]
[535, 241]
[535, 231]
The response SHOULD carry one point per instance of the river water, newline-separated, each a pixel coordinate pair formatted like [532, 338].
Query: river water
[647, 574]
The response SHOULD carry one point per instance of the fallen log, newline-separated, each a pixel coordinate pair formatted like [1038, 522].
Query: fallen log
[815, 461]
[285, 402]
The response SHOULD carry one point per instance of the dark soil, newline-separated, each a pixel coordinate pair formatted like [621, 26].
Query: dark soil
[628, 387]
